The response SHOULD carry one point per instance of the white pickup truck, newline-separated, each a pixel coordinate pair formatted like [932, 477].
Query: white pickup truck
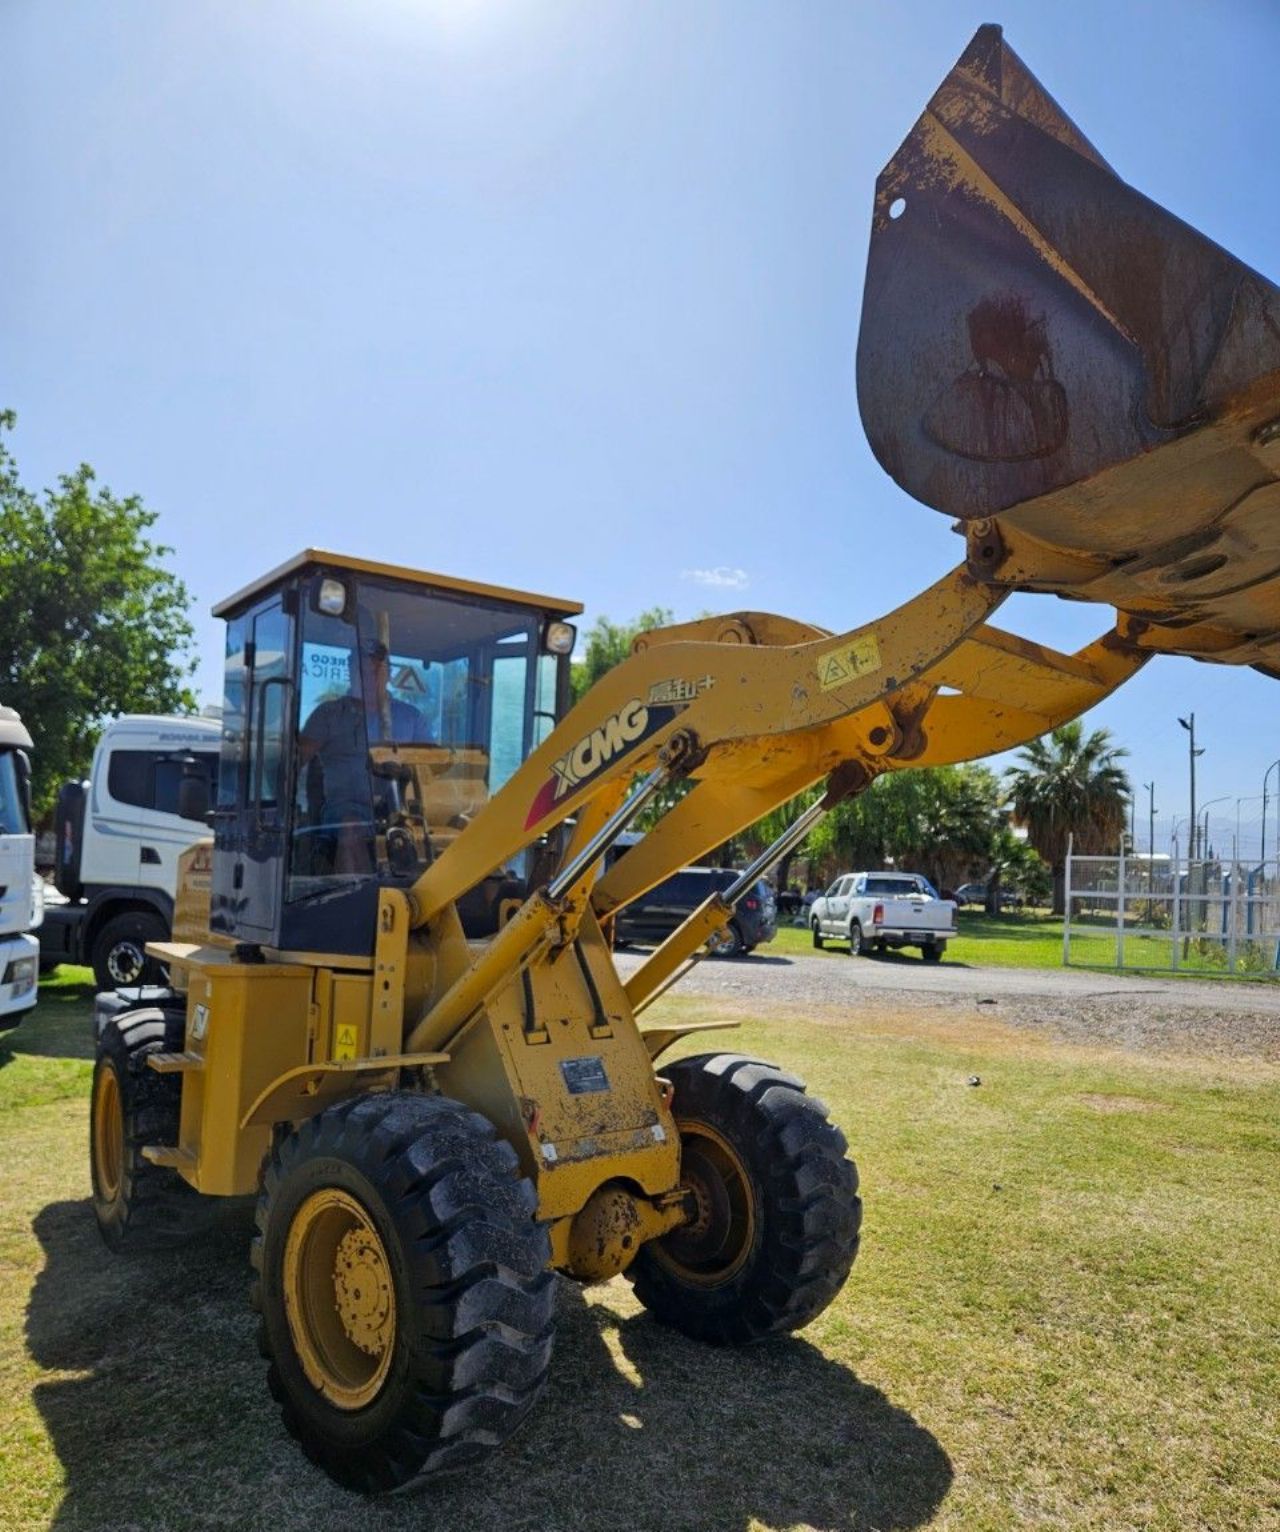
[874, 910]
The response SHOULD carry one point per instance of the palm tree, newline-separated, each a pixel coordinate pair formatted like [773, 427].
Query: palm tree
[1069, 786]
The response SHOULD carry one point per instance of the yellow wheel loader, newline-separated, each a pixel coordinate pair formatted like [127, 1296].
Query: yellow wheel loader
[397, 1019]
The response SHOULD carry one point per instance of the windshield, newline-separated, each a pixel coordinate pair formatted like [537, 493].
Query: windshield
[13, 814]
[901, 887]
[413, 709]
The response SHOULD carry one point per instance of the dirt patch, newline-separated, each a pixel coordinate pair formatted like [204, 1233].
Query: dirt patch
[1119, 1103]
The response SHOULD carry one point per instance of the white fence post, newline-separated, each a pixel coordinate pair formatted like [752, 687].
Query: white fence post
[1120, 877]
[1066, 907]
[1177, 901]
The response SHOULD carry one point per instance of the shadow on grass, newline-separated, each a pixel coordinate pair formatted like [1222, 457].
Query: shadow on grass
[167, 1422]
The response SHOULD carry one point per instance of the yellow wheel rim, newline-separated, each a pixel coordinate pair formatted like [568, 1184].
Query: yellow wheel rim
[714, 1245]
[108, 1134]
[340, 1299]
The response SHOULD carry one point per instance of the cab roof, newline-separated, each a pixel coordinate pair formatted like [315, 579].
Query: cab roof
[13, 732]
[320, 558]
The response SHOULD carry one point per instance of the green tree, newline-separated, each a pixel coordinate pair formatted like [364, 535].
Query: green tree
[608, 643]
[767, 830]
[90, 624]
[1015, 864]
[1069, 785]
[938, 820]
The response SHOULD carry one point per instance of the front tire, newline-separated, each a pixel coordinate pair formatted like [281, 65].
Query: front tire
[407, 1309]
[778, 1209]
[120, 950]
[817, 936]
[134, 1201]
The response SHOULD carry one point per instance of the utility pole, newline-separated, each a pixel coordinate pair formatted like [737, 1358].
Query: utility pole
[1189, 724]
[1151, 832]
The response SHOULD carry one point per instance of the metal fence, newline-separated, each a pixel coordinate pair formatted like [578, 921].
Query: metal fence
[1168, 913]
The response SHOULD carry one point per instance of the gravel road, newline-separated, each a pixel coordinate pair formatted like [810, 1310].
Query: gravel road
[1239, 1020]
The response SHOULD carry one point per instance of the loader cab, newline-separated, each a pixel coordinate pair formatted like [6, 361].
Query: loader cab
[368, 713]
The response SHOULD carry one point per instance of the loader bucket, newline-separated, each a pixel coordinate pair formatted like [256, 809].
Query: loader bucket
[1045, 349]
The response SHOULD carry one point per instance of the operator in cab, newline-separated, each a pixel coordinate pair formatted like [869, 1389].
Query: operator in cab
[333, 751]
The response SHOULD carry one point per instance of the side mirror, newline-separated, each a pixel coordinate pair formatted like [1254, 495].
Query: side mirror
[193, 797]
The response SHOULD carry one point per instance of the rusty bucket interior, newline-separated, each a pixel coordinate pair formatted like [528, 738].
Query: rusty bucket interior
[1088, 385]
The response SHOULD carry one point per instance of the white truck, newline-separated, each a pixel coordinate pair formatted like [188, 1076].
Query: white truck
[21, 902]
[118, 839]
[875, 910]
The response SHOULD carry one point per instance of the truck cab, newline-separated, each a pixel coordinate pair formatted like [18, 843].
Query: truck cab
[21, 905]
[118, 839]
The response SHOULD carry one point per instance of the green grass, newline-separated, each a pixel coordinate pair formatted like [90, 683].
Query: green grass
[1064, 1316]
[1033, 939]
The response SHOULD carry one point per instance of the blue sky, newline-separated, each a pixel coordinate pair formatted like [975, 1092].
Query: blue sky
[559, 295]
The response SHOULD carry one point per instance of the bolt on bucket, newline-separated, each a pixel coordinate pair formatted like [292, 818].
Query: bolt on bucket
[1087, 383]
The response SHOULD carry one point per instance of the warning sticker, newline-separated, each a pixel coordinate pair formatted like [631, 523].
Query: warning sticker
[345, 1039]
[860, 658]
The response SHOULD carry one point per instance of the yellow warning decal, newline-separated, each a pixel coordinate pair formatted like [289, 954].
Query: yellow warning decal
[345, 1039]
[860, 658]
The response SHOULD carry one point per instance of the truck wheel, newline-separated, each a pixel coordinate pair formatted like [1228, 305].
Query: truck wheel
[855, 938]
[778, 1207]
[120, 950]
[406, 1306]
[817, 936]
[727, 943]
[136, 1202]
[932, 952]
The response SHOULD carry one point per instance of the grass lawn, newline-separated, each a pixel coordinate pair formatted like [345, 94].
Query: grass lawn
[1033, 939]
[1065, 1315]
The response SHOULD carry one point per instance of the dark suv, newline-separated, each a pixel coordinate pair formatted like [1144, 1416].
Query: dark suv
[656, 914]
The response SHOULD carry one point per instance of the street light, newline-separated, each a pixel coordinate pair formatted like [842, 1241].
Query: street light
[1204, 838]
[1265, 775]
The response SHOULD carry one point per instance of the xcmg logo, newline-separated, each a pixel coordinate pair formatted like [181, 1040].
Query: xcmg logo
[621, 731]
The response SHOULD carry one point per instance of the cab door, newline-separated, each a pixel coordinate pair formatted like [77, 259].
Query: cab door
[837, 911]
[253, 782]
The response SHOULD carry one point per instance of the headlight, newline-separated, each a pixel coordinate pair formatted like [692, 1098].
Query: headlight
[22, 975]
[561, 637]
[331, 599]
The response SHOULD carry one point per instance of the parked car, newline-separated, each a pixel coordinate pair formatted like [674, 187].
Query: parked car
[875, 910]
[976, 893]
[656, 914]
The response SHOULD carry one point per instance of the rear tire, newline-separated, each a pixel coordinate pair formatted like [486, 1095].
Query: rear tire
[135, 1202]
[817, 936]
[778, 1206]
[728, 943]
[120, 950]
[855, 939]
[932, 953]
[407, 1309]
